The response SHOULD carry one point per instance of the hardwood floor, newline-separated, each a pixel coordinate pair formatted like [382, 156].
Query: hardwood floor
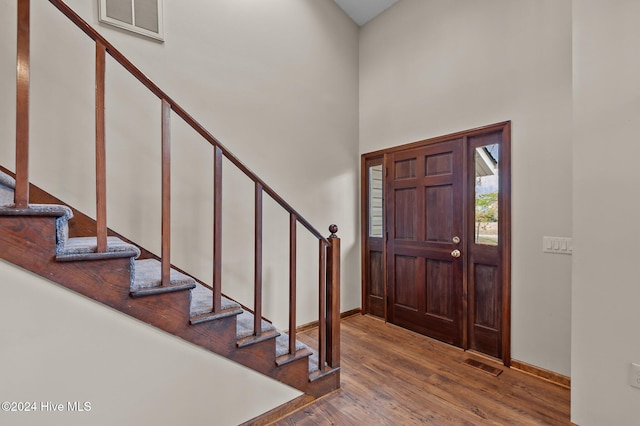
[392, 376]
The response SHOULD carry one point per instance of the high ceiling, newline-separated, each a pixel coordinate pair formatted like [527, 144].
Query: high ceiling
[362, 11]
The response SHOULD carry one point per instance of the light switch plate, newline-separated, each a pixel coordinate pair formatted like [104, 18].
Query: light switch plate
[559, 245]
[634, 376]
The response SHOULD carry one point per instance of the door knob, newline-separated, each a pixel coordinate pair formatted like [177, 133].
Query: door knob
[456, 253]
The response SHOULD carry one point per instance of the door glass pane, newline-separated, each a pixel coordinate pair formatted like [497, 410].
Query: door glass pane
[486, 194]
[375, 201]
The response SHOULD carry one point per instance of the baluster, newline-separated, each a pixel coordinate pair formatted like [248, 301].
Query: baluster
[257, 291]
[322, 308]
[333, 299]
[101, 160]
[292, 283]
[23, 70]
[217, 229]
[166, 193]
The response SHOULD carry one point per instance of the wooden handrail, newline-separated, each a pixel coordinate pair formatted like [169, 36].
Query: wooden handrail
[133, 70]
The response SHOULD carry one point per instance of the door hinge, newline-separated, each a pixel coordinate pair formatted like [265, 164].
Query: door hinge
[386, 171]
[386, 236]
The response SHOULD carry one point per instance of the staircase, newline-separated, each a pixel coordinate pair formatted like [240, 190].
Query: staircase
[43, 237]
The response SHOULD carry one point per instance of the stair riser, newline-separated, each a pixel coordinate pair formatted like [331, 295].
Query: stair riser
[28, 242]
[258, 356]
[324, 385]
[295, 373]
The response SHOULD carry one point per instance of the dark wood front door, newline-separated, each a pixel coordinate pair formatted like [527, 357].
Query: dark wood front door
[438, 260]
[424, 219]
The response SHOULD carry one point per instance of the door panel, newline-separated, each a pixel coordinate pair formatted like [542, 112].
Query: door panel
[406, 213]
[376, 290]
[406, 295]
[440, 294]
[424, 213]
[437, 211]
[486, 309]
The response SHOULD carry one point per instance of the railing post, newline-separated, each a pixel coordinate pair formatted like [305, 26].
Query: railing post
[322, 305]
[257, 290]
[333, 299]
[166, 194]
[23, 71]
[293, 220]
[217, 229]
[101, 156]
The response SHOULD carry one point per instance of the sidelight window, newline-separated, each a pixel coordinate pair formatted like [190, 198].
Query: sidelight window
[486, 194]
[376, 227]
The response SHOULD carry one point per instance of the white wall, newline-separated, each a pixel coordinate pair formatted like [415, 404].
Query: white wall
[275, 81]
[432, 67]
[60, 347]
[606, 287]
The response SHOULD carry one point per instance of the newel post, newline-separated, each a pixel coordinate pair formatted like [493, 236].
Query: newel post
[333, 299]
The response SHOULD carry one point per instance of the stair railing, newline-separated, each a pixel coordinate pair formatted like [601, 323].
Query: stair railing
[329, 248]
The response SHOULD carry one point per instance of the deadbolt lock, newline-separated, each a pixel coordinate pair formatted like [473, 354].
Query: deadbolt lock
[456, 240]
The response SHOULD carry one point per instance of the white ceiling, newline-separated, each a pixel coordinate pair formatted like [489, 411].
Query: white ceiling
[362, 11]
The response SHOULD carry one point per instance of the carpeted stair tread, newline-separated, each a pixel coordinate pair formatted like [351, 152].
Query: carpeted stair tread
[244, 325]
[313, 362]
[6, 195]
[37, 210]
[302, 350]
[202, 301]
[85, 248]
[282, 345]
[6, 180]
[147, 274]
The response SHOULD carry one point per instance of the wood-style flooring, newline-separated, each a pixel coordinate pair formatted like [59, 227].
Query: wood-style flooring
[392, 376]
